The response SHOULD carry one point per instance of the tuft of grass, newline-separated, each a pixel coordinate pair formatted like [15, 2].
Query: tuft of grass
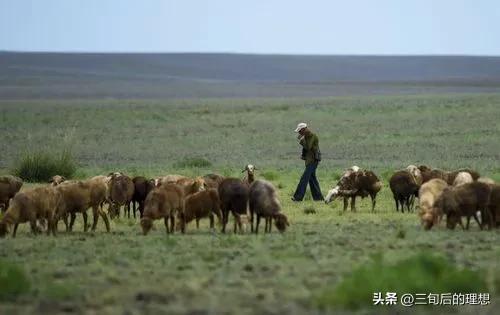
[310, 210]
[13, 281]
[424, 272]
[270, 175]
[40, 166]
[196, 162]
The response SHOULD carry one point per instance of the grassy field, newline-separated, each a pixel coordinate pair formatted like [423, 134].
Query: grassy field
[205, 272]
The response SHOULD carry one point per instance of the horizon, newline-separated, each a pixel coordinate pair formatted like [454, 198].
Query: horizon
[236, 53]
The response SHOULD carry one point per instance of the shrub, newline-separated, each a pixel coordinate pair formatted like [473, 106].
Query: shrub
[13, 281]
[41, 166]
[422, 273]
[196, 162]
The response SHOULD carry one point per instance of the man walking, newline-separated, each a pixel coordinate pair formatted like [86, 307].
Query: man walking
[312, 155]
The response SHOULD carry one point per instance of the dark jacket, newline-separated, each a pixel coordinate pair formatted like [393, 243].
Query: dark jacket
[310, 148]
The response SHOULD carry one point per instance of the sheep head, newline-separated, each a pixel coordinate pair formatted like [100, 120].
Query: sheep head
[250, 169]
[146, 225]
[281, 222]
[56, 180]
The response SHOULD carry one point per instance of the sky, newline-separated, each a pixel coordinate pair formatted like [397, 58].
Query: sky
[403, 27]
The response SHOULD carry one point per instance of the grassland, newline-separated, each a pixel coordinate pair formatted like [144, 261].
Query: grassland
[209, 273]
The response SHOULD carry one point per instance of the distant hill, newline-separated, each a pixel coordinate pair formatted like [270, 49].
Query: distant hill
[93, 75]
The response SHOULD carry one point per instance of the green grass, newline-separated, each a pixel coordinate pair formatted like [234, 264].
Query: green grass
[41, 166]
[209, 273]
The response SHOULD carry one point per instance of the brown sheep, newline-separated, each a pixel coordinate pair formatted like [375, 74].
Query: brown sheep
[78, 196]
[169, 179]
[465, 200]
[191, 186]
[250, 176]
[201, 205]
[264, 203]
[164, 202]
[448, 177]
[40, 203]
[213, 180]
[462, 178]
[121, 191]
[9, 186]
[354, 183]
[427, 195]
[404, 188]
[142, 187]
[233, 194]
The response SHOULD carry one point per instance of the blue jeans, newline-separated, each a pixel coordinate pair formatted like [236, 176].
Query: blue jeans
[309, 176]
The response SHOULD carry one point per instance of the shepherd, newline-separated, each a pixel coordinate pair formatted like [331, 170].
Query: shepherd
[312, 156]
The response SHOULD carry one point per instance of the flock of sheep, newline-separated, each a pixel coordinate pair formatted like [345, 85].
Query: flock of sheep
[456, 194]
[179, 200]
[176, 199]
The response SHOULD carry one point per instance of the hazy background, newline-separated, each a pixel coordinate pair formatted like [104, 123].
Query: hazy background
[278, 26]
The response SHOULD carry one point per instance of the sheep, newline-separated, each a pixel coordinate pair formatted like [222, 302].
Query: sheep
[449, 177]
[465, 200]
[264, 203]
[121, 191]
[494, 204]
[427, 195]
[233, 194]
[78, 196]
[56, 180]
[213, 180]
[164, 202]
[462, 178]
[355, 183]
[201, 205]
[403, 187]
[9, 186]
[168, 179]
[191, 186]
[40, 203]
[142, 186]
[250, 174]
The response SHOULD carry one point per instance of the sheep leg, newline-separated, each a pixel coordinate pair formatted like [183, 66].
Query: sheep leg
[251, 221]
[105, 218]
[133, 208]
[72, 221]
[468, 221]
[346, 202]
[270, 224]
[84, 214]
[165, 220]
[65, 220]
[397, 204]
[257, 224]
[477, 221]
[353, 203]
[172, 223]
[487, 216]
[197, 223]
[141, 209]
[211, 218]
[15, 230]
[224, 220]
[95, 216]
[374, 202]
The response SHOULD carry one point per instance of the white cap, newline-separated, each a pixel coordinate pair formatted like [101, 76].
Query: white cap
[300, 127]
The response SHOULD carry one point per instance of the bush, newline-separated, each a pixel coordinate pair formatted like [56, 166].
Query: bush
[13, 281]
[422, 273]
[193, 163]
[41, 166]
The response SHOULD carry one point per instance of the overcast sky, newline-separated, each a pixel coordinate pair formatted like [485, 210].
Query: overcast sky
[254, 26]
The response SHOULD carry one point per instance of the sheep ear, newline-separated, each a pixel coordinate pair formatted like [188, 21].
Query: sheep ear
[51, 180]
[63, 178]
